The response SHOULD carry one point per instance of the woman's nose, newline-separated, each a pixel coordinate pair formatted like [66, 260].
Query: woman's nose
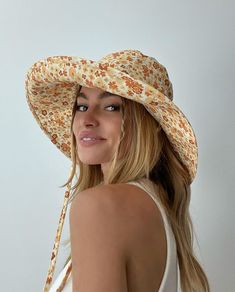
[90, 118]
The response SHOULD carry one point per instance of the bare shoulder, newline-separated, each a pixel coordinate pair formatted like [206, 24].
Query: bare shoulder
[103, 209]
[121, 200]
[113, 227]
[122, 206]
[103, 201]
[99, 198]
[99, 238]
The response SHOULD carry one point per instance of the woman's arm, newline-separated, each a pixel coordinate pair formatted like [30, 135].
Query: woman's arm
[98, 242]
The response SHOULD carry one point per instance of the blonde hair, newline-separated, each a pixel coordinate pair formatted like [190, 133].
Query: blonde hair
[147, 152]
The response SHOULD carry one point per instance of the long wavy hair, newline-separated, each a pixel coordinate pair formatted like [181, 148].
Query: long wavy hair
[144, 151]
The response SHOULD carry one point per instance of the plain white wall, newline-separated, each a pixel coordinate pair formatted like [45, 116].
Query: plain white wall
[194, 40]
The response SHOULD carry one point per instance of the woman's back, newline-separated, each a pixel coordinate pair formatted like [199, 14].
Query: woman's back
[152, 264]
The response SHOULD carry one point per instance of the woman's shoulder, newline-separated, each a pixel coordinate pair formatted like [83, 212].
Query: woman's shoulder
[123, 200]
[125, 206]
[103, 195]
[120, 193]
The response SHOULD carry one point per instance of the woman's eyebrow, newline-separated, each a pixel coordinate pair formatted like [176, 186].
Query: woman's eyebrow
[101, 95]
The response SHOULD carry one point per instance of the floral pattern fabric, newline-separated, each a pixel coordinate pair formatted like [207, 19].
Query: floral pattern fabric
[52, 83]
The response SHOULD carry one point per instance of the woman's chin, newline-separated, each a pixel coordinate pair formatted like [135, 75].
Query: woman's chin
[91, 160]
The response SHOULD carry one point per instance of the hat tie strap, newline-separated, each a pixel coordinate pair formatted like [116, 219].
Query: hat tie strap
[51, 269]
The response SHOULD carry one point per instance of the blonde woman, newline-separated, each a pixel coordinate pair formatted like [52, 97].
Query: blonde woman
[134, 156]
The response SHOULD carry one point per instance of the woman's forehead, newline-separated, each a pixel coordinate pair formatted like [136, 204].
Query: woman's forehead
[100, 94]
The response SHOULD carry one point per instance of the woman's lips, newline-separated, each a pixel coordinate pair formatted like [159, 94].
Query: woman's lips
[89, 134]
[91, 142]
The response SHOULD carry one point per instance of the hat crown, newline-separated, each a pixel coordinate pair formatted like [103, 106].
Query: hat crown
[141, 67]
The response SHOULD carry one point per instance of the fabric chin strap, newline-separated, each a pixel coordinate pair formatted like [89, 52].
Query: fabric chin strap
[51, 270]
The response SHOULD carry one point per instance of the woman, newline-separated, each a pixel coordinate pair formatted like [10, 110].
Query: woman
[130, 227]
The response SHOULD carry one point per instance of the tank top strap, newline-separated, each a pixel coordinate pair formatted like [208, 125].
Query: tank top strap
[148, 186]
[170, 278]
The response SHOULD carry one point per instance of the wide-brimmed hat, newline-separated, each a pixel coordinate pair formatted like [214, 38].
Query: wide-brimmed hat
[52, 85]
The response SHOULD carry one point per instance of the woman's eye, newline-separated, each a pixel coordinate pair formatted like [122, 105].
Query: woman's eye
[115, 107]
[78, 106]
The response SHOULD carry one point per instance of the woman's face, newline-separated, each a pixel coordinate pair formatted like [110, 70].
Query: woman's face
[99, 114]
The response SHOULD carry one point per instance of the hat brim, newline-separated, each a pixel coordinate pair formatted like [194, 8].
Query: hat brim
[51, 87]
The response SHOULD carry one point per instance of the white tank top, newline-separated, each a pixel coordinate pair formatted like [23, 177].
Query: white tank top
[171, 274]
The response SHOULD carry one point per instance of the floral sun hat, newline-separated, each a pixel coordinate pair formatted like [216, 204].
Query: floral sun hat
[52, 84]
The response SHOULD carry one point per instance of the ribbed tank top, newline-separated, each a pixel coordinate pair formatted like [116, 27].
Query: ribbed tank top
[171, 274]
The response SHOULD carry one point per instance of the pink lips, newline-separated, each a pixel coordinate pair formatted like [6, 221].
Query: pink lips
[91, 142]
[89, 134]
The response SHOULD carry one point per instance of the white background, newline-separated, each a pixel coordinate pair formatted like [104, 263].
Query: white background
[194, 40]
